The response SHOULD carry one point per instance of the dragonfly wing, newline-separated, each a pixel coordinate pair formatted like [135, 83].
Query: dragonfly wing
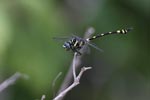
[94, 46]
[62, 39]
[88, 51]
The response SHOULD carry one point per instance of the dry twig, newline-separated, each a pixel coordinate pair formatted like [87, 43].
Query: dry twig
[54, 82]
[43, 97]
[76, 80]
[11, 80]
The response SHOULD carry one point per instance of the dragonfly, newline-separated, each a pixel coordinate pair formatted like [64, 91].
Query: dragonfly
[75, 43]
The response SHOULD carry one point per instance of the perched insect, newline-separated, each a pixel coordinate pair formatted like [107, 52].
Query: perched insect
[77, 43]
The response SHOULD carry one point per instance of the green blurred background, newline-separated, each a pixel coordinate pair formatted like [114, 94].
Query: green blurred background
[121, 72]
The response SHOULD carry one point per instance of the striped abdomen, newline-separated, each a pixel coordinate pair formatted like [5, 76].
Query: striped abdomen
[123, 31]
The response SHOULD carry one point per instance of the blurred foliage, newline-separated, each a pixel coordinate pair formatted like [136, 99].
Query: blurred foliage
[27, 27]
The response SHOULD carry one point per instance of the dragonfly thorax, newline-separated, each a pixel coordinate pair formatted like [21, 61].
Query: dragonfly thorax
[74, 44]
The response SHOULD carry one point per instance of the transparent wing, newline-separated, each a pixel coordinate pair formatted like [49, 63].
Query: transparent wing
[73, 35]
[88, 50]
[64, 38]
[94, 46]
[60, 38]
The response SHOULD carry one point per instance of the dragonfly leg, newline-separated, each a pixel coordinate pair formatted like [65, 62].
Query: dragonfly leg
[78, 52]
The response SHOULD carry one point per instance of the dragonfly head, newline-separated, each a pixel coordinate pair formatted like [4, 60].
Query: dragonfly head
[66, 46]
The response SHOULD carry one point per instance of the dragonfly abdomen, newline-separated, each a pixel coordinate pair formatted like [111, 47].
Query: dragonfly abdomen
[122, 31]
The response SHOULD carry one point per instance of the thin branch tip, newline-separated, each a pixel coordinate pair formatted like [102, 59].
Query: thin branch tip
[43, 97]
[87, 68]
[11, 80]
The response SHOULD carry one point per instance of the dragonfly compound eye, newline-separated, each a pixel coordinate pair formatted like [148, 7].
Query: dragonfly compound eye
[66, 46]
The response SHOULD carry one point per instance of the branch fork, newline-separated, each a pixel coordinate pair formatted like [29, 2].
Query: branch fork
[76, 80]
